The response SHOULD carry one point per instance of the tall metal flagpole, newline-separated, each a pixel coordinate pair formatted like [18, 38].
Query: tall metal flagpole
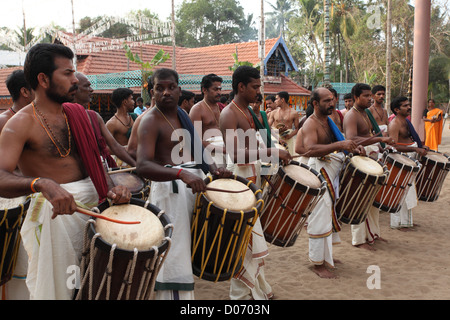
[25, 40]
[262, 51]
[326, 77]
[74, 38]
[388, 55]
[174, 59]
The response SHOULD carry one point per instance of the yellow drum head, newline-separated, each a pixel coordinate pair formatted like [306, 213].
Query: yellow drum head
[142, 236]
[367, 165]
[244, 201]
[303, 176]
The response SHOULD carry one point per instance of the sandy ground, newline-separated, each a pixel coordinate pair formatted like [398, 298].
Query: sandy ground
[413, 265]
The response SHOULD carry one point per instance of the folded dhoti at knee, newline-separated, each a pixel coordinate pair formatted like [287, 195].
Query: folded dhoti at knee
[177, 200]
[323, 221]
[54, 246]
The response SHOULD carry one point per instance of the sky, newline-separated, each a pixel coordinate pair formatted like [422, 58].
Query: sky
[39, 13]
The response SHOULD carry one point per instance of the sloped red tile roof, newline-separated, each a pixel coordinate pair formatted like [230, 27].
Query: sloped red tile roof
[197, 61]
[4, 73]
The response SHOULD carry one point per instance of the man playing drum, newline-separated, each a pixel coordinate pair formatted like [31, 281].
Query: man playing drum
[286, 120]
[320, 142]
[54, 147]
[206, 113]
[161, 159]
[104, 138]
[358, 127]
[238, 129]
[406, 140]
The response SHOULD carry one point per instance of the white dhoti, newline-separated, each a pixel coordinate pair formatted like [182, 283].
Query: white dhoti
[54, 246]
[217, 155]
[320, 222]
[175, 280]
[368, 230]
[403, 218]
[249, 282]
[290, 143]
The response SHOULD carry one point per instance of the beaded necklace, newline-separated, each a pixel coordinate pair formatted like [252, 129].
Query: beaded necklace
[50, 133]
[252, 124]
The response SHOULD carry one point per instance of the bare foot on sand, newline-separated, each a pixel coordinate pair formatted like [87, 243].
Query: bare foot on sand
[323, 272]
[366, 246]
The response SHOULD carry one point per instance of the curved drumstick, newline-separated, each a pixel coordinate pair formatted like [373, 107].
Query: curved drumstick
[96, 215]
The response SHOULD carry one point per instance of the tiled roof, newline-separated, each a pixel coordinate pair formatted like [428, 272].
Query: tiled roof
[4, 73]
[197, 61]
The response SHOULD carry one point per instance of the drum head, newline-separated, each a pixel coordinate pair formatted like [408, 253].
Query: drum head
[437, 157]
[303, 176]
[398, 157]
[143, 236]
[244, 201]
[6, 203]
[367, 165]
[129, 180]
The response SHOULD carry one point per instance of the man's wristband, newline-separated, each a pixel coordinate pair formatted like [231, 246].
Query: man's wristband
[32, 185]
[178, 174]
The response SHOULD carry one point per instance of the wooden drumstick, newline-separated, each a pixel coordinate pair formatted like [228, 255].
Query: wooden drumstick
[122, 170]
[226, 191]
[96, 215]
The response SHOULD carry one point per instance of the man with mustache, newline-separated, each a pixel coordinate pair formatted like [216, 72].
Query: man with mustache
[377, 110]
[104, 138]
[205, 115]
[177, 173]
[54, 147]
[286, 120]
[321, 146]
[239, 132]
[408, 141]
[359, 127]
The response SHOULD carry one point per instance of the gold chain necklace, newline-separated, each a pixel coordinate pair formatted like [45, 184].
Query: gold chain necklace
[366, 118]
[181, 148]
[252, 125]
[324, 128]
[210, 109]
[50, 133]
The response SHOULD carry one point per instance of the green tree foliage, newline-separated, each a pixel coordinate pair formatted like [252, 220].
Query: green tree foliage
[212, 22]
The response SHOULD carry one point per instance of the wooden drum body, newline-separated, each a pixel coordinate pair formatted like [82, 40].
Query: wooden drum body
[121, 261]
[360, 181]
[289, 198]
[403, 170]
[221, 227]
[12, 215]
[429, 180]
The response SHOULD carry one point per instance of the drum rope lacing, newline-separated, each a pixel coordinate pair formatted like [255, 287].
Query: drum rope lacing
[148, 279]
[284, 205]
[390, 193]
[8, 238]
[237, 247]
[368, 196]
[426, 182]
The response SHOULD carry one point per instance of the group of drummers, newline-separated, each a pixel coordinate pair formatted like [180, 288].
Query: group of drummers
[222, 183]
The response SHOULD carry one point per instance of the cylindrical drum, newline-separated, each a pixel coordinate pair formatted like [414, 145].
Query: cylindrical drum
[359, 183]
[222, 225]
[289, 198]
[429, 180]
[138, 187]
[403, 170]
[121, 261]
[12, 215]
